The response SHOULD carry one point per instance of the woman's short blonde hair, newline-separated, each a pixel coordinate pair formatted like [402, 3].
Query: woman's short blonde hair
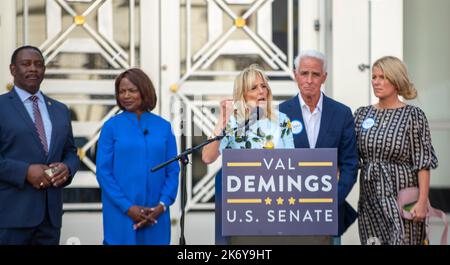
[244, 83]
[395, 71]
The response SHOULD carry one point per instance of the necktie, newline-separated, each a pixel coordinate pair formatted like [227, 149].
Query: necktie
[39, 123]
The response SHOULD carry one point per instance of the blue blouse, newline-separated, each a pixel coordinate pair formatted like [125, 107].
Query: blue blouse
[127, 149]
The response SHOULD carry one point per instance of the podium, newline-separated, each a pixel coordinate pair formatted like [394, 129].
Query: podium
[273, 197]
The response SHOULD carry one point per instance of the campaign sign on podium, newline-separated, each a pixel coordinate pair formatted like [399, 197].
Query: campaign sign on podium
[279, 192]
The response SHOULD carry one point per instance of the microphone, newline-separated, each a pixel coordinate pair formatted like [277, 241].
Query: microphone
[255, 114]
[145, 132]
[259, 112]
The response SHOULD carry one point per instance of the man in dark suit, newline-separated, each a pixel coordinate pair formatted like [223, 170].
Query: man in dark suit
[37, 155]
[321, 122]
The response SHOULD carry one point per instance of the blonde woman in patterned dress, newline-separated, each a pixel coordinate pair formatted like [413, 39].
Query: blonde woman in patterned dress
[272, 130]
[396, 152]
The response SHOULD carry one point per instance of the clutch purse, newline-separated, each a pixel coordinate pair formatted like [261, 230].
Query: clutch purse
[407, 198]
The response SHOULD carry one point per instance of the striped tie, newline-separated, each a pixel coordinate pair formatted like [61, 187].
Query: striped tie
[39, 123]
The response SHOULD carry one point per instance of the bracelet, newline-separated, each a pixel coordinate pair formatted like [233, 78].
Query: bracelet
[164, 205]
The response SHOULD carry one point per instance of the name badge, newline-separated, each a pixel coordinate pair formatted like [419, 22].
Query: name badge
[368, 123]
[297, 126]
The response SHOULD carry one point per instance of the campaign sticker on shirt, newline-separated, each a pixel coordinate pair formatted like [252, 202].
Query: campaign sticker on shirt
[368, 123]
[297, 127]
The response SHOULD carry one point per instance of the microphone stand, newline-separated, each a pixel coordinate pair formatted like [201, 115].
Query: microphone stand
[183, 158]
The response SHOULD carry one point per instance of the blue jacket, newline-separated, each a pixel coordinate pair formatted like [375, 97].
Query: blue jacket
[337, 130]
[21, 205]
[127, 150]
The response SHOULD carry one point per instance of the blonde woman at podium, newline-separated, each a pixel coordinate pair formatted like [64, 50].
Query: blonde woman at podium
[249, 120]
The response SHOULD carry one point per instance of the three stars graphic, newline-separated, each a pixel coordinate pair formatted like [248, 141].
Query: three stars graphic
[279, 201]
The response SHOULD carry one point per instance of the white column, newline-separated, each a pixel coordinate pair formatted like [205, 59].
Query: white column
[170, 73]
[150, 45]
[170, 50]
[8, 42]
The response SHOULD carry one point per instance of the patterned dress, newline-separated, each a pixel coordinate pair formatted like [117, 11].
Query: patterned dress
[265, 133]
[393, 144]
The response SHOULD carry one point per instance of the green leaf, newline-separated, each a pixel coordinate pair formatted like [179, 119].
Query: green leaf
[256, 139]
[248, 145]
[283, 132]
[269, 137]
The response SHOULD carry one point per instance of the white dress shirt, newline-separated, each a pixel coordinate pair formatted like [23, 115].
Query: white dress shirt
[311, 120]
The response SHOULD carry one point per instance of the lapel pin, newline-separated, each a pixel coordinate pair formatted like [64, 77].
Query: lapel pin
[49, 103]
[296, 126]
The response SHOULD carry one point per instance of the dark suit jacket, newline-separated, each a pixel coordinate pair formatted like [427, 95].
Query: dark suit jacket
[21, 205]
[337, 130]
